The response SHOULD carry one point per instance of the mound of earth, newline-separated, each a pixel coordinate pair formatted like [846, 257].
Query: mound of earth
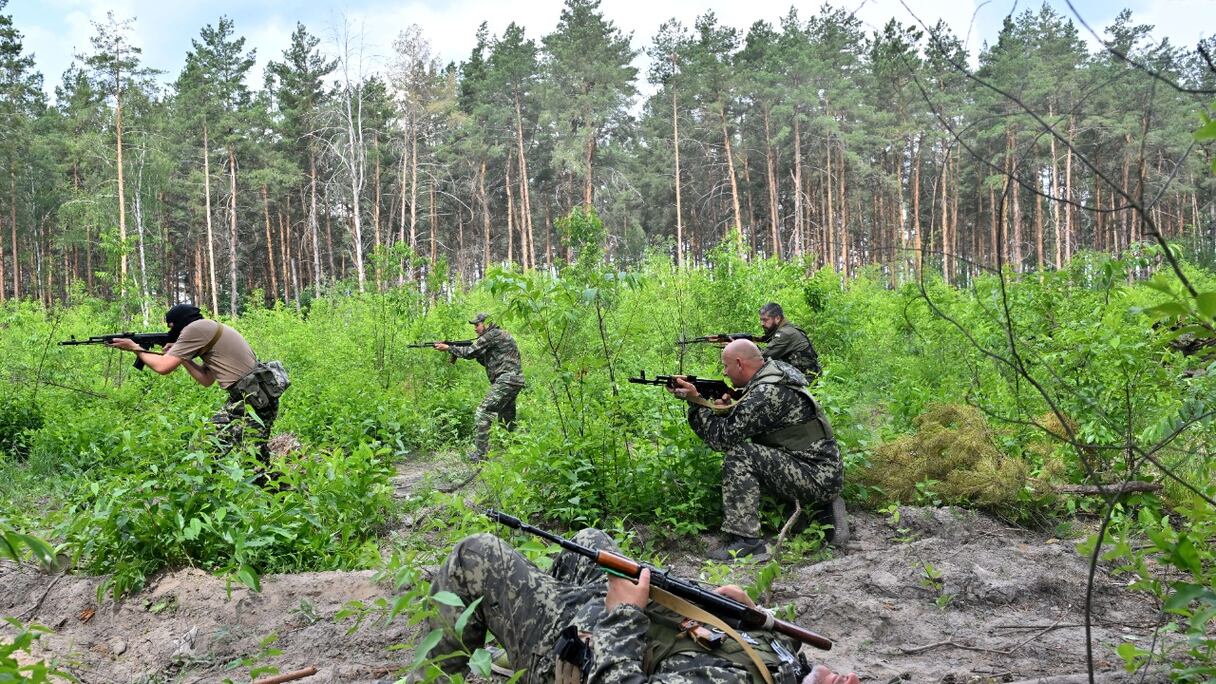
[947, 595]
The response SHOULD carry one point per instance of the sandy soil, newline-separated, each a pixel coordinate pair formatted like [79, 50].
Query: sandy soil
[1007, 605]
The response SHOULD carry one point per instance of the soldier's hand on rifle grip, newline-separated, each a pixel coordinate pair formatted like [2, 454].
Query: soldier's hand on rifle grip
[683, 389]
[624, 590]
[441, 346]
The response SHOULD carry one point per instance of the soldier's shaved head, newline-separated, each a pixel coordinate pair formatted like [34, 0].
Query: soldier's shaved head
[740, 361]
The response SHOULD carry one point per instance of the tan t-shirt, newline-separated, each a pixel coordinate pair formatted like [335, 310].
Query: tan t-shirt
[229, 360]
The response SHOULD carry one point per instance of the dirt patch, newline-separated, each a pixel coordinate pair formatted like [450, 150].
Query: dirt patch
[946, 595]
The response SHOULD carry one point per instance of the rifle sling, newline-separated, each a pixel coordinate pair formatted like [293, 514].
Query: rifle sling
[219, 330]
[672, 602]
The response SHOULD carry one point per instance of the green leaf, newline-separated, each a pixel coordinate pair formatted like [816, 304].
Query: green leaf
[41, 550]
[1206, 132]
[447, 598]
[1184, 594]
[1166, 309]
[1185, 556]
[1207, 303]
[464, 617]
[480, 662]
[424, 647]
[249, 577]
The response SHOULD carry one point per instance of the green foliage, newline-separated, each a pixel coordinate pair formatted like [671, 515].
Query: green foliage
[18, 420]
[205, 511]
[11, 670]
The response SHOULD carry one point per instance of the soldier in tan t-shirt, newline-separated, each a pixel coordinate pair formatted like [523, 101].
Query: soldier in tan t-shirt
[226, 359]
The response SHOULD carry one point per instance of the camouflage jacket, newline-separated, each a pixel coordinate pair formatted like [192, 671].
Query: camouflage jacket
[620, 646]
[765, 408]
[791, 345]
[496, 350]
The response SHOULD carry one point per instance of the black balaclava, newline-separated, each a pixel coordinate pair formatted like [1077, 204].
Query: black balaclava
[181, 316]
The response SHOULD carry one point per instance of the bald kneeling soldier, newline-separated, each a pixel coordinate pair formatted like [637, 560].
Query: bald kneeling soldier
[227, 359]
[774, 440]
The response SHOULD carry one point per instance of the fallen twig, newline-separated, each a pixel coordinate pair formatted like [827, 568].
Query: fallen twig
[32, 611]
[287, 676]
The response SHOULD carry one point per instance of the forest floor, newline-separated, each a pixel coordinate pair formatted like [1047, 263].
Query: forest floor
[1005, 605]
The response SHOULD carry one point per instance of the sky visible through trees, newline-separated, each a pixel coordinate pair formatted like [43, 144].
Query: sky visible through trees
[813, 138]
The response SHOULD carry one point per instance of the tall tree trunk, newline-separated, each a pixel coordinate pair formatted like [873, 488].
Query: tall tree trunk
[407, 268]
[510, 213]
[770, 168]
[232, 234]
[588, 160]
[215, 293]
[734, 185]
[314, 226]
[376, 241]
[1068, 230]
[1016, 206]
[798, 226]
[1055, 199]
[485, 218]
[525, 193]
[12, 227]
[946, 262]
[434, 226]
[829, 207]
[414, 190]
[916, 237]
[122, 204]
[842, 196]
[274, 281]
[675, 129]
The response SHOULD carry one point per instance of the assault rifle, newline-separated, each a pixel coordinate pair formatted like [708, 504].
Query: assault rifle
[732, 612]
[144, 340]
[450, 343]
[708, 389]
[431, 345]
[719, 338]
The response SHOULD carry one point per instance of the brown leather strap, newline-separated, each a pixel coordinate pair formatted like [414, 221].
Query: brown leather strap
[688, 610]
[219, 330]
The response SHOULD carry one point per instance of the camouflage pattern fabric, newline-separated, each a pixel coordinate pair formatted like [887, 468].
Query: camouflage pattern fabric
[496, 350]
[790, 344]
[499, 403]
[810, 476]
[526, 609]
[232, 420]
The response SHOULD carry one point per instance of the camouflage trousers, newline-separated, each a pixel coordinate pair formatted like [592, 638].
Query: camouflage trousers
[234, 420]
[498, 403]
[811, 477]
[524, 608]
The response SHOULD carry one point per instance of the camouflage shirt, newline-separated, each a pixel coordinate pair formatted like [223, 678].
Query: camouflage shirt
[789, 344]
[765, 408]
[496, 350]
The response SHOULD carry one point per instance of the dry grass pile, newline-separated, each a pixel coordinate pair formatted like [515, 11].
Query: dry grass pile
[953, 450]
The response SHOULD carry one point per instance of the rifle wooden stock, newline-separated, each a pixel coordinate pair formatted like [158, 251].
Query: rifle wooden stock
[730, 611]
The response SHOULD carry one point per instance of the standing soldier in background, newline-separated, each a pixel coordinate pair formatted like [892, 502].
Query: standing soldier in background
[787, 342]
[495, 349]
[227, 359]
[774, 440]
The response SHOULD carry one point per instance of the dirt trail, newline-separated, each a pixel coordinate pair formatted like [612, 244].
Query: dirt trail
[1006, 605]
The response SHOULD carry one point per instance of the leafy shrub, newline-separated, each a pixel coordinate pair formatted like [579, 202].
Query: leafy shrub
[18, 421]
